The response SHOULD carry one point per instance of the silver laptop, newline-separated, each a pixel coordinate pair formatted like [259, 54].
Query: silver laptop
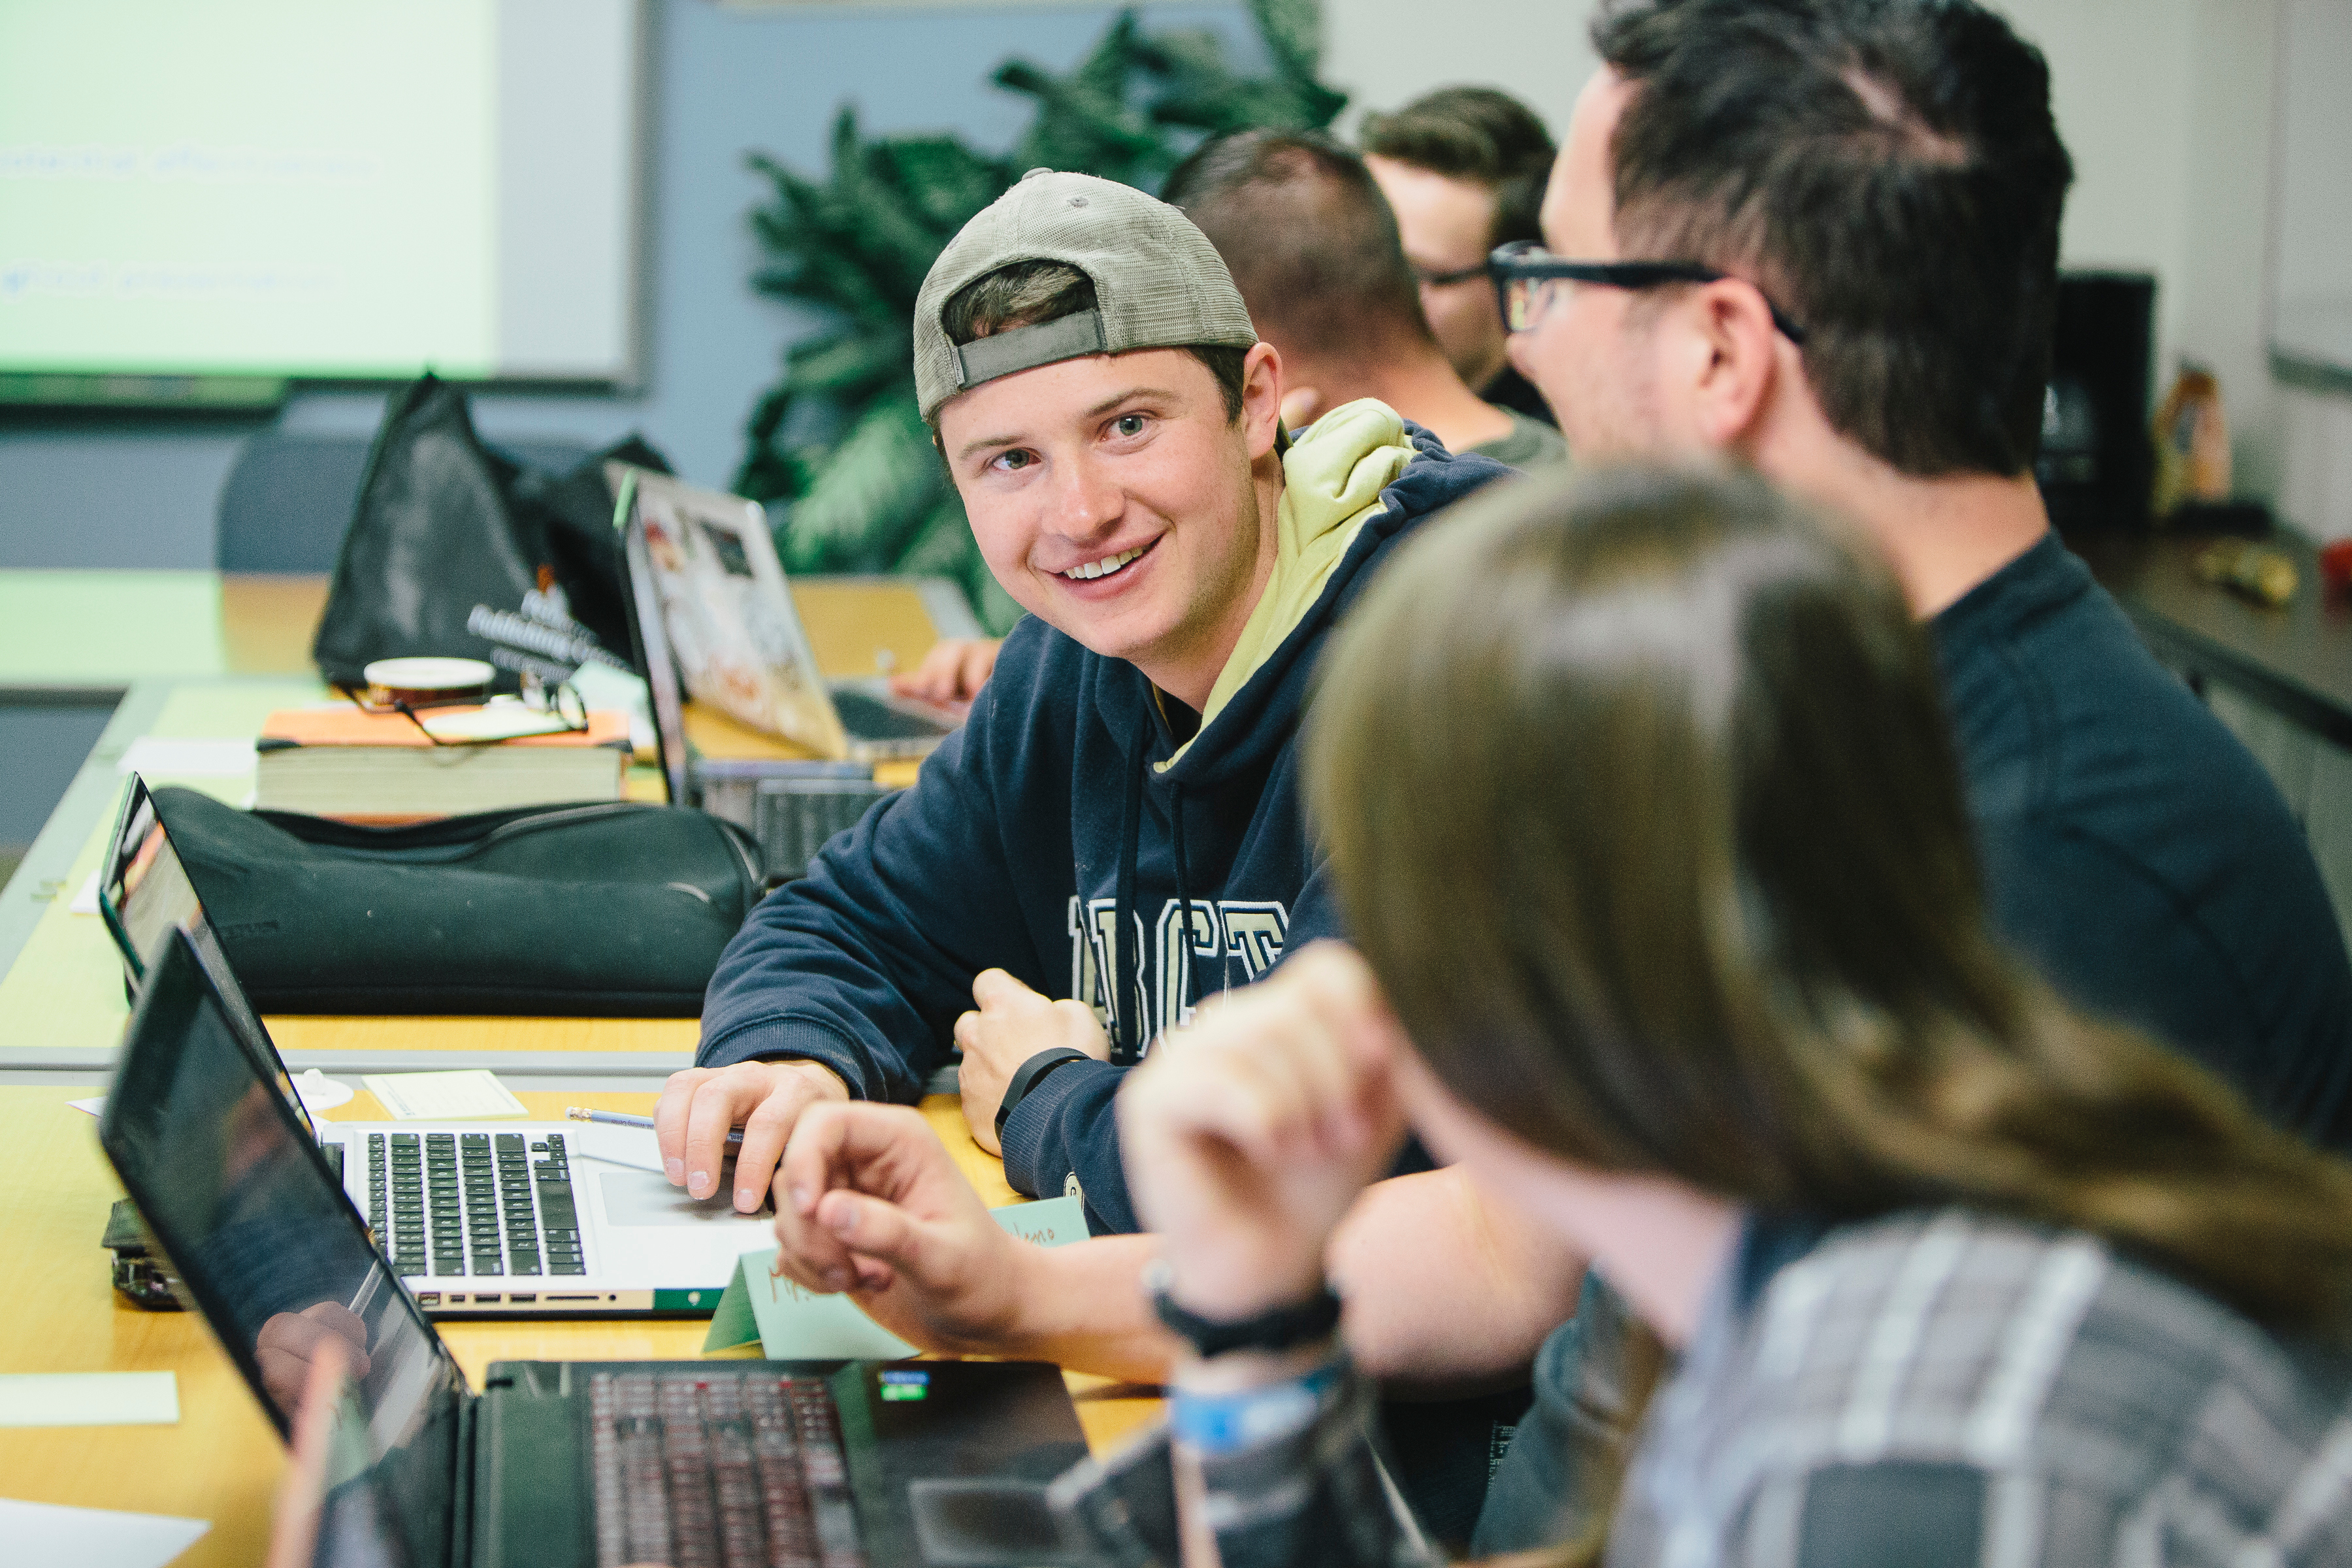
[729, 628]
[480, 1218]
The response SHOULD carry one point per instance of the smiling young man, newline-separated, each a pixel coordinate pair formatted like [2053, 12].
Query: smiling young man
[1114, 835]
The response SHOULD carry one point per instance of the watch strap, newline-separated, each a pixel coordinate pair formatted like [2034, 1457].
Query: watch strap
[1029, 1075]
[1278, 1329]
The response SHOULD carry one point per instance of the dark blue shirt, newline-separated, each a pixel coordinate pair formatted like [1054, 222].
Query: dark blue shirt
[2134, 852]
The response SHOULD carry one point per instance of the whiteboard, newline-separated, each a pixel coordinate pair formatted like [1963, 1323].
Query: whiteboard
[2311, 250]
[292, 188]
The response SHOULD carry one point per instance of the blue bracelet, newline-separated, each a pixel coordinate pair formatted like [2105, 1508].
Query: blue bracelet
[1216, 1424]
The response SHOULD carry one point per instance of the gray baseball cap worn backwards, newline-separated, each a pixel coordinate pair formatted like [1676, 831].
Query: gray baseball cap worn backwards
[1158, 283]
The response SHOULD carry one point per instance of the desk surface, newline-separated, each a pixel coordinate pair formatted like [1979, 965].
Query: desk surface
[222, 1460]
[2295, 660]
[94, 631]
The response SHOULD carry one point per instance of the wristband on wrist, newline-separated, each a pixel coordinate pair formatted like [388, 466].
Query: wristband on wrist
[1029, 1075]
[1278, 1329]
[1216, 1424]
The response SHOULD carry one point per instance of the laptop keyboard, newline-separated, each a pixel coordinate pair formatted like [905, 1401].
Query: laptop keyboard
[706, 1468]
[869, 717]
[462, 1203]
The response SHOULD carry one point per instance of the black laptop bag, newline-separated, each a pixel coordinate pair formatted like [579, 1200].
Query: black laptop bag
[607, 910]
[449, 530]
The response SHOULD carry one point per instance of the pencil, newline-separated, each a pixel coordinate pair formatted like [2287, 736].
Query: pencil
[622, 1119]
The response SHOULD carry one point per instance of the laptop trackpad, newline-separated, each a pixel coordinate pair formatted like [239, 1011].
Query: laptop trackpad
[985, 1523]
[640, 1197]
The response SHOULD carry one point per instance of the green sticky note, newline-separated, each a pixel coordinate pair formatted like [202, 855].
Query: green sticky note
[794, 1325]
[1048, 1221]
[89, 1399]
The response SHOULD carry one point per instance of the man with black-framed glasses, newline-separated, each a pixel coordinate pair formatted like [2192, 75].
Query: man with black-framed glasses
[1819, 238]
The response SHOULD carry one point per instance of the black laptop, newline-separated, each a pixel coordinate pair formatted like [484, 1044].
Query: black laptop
[826, 1463]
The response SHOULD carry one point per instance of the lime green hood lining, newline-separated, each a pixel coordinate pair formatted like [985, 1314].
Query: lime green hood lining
[1332, 478]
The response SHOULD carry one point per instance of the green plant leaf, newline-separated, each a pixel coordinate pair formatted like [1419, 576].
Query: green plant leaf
[871, 495]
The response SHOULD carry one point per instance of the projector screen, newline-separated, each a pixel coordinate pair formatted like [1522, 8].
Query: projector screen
[324, 189]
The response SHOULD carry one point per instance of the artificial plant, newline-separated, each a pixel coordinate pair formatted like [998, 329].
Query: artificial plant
[837, 447]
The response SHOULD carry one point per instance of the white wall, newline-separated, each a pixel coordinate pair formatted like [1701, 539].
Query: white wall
[2167, 107]
[1385, 52]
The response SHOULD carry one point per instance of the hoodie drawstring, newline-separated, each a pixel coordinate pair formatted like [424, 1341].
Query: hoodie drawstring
[1182, 978]
[1131, 1001]
[1127, 1006]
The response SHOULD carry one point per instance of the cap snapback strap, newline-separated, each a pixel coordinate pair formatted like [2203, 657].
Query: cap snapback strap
[1026, 348]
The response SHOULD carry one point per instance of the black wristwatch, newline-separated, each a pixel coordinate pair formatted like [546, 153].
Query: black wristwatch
[1029, 1075]
[1276, 1329]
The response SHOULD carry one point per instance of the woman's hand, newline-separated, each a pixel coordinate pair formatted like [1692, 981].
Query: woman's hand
[1249, 1134]
[870, 1203]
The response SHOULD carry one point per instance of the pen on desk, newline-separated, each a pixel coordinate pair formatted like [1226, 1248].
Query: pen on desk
[622, 1119]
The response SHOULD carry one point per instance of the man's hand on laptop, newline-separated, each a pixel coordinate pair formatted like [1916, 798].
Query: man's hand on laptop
[869, 1202]
[952, 673]
[700, 1105]
[1009, 1025]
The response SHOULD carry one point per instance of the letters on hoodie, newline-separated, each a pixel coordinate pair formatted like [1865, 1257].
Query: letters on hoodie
[1233, 942]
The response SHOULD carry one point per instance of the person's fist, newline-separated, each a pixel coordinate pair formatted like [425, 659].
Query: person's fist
[1008, 1024]
[701, 1105]
[1248, 1133]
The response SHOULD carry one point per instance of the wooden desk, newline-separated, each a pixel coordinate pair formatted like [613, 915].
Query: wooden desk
[221, 1461]
[85, 635]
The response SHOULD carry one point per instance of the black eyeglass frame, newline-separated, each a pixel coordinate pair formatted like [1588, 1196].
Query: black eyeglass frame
[1524, 262]
[1446, 279]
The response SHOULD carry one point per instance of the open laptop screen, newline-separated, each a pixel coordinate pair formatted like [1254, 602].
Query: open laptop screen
[143, 891]
[145, 894]
[648, 642]
[263, 1238]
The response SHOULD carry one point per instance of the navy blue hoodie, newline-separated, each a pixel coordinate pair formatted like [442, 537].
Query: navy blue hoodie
[1066, 801]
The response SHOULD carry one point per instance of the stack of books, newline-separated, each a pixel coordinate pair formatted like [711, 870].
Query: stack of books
[382, 768]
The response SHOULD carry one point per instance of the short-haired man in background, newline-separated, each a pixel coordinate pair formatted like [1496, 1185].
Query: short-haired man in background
[1312, 245]
[1821, 237]
[1465, 167]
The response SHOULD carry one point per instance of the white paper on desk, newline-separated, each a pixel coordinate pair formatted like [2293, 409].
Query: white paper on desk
[152, 756]
[94, 1537]
[88, 1399]
[95, 1105]
[464, 1095]
[85, 902]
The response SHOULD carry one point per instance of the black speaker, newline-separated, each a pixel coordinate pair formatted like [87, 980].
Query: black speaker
[2097, 465]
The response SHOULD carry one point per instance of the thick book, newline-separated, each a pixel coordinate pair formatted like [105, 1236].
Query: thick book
[381, 767]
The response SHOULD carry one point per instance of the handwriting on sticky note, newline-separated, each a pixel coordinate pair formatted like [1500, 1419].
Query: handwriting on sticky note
[465, 1095]
[88, 1399]
[1049, 1221]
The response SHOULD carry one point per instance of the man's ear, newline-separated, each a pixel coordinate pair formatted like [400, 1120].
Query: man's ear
[1261, 399]
[1733, 357]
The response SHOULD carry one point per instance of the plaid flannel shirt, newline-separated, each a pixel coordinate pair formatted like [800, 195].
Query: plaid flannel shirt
[1928, 1390]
